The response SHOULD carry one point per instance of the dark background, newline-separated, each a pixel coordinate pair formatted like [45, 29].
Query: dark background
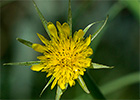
[117, 45]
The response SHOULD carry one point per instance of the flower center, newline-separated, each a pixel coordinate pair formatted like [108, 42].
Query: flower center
[65, 59]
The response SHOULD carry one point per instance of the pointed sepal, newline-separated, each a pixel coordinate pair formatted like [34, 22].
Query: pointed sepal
[43, 20]
[99, 30]
[99, 66]
[25, 42]
[82, 84]
[24, 63]
[90, 25]
[51, 79]
[70, 17]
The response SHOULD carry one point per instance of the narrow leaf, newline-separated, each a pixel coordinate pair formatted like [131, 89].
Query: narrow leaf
[88, 27]
[23, 63]
[82, 84]
[98, 31]
[44, 22]
[25, 42]
[132, 6]
[99, 66]
[51, 79]
[70, 17]
[120, 83]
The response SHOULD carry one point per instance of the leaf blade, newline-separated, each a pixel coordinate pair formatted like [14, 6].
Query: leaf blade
[123, 81]
[83, 84]
[25, 42]
[43, 20]
[99, 66]
[99, 30]
[23, 63]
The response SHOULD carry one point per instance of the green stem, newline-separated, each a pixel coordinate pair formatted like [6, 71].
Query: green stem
[93, 88]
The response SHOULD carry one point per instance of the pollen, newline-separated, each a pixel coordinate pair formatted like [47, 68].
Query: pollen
[64, 56]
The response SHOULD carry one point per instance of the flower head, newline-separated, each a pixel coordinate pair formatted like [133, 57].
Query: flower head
[64, 57]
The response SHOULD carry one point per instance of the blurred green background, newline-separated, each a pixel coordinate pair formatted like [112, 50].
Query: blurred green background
[117, 45]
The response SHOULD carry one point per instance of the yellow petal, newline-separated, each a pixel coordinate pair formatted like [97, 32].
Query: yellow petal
[61, 83]
[90, 51]
[66, 29]
[41, 57]
[44, 70]
[37, 67]
[88, 40]
[49, 74]
[74, 36]
[52, 29]
[38, 47]
[78, 35]
[43, 39]
[59, 26]
[71, 83]
[62, 86]
[53, 84]
[81, 72]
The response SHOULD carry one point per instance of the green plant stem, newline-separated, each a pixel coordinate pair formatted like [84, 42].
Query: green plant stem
[93, 88]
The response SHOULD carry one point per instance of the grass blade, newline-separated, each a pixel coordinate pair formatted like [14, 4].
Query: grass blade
[120, 83]
[133, 6]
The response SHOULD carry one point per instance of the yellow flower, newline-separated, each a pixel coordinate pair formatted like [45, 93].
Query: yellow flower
[64, 57]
